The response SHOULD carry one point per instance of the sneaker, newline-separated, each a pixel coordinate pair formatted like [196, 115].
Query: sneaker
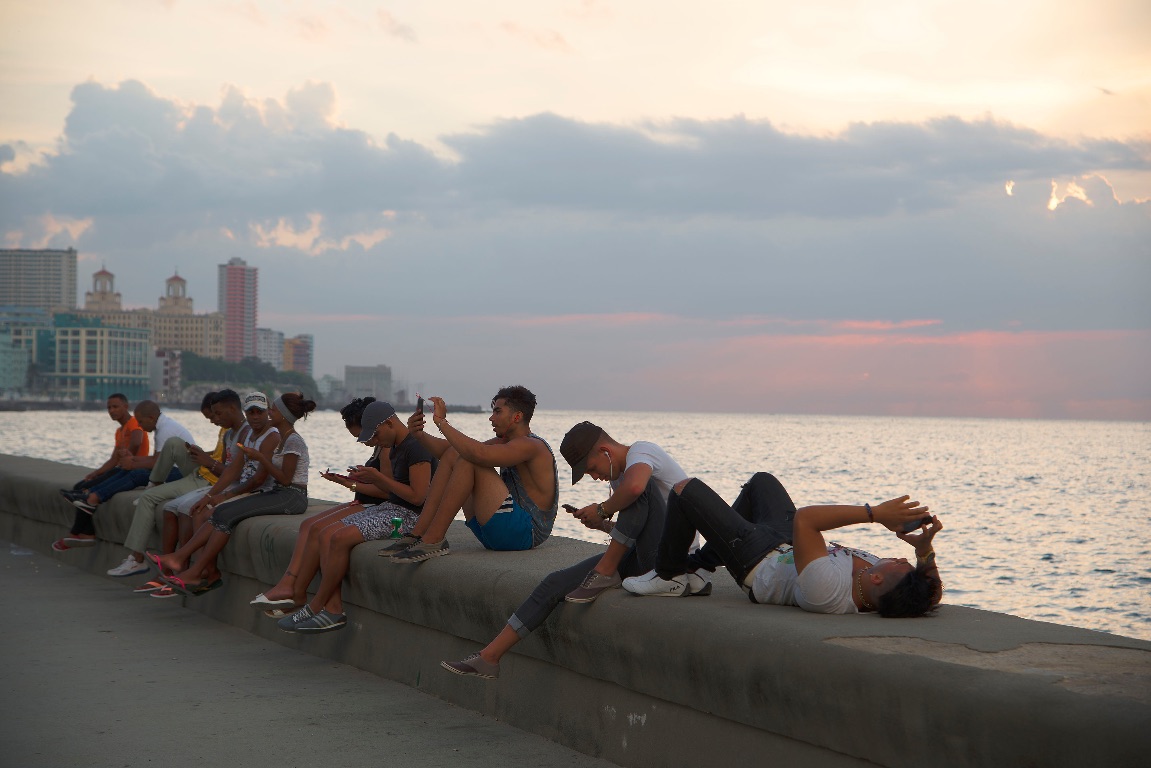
[593, 584]
[699, 583]
[70, 495]
[83, 505]
[421, 551]
[399, 545]
[323, 621]
[288, 623]
[59, 546]
[130, 567]
[164, 593]
[474, 666]
[651, 585]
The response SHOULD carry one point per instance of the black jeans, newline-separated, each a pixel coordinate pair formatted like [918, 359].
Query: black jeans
[738, 536]
[638, 526]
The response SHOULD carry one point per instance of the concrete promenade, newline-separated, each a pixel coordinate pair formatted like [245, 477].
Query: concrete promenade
[706, 682]
[96, 676]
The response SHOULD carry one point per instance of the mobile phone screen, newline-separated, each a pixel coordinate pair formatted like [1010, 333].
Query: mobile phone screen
[419, 405]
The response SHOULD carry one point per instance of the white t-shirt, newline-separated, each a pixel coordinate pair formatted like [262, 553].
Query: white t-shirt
[166, 429]
[823, 587]
[294, 444]
[664, 469]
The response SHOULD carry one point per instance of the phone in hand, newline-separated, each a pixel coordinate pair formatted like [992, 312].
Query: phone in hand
[915, 525]
[419, 404]
[570, 508]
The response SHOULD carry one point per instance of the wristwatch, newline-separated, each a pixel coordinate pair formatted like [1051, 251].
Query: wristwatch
[601, 511]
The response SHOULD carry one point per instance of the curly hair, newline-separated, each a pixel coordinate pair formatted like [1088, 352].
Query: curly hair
[518, 399]
[354, 411]
[912, 596]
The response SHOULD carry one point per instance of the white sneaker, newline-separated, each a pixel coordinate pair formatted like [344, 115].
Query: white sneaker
[130, 567]
[699, 583]
[651, 585]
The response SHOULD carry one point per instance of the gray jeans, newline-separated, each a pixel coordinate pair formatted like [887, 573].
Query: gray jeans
[638, 526]
[173, 454]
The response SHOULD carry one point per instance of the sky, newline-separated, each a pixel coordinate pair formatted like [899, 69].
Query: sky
[927, 208]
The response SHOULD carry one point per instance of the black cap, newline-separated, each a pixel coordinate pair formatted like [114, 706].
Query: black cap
[577, 445]
[374, 415]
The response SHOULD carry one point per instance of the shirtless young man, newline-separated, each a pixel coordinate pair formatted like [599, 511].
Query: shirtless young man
[513, 509]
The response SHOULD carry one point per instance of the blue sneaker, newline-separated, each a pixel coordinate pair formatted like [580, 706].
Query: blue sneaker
[324, 621]
[289, 623]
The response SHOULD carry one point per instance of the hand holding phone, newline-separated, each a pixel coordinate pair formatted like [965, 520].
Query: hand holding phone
[419, 403]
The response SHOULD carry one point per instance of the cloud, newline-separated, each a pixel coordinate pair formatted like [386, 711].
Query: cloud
[546, 39]
[668, 240]
[394, 27]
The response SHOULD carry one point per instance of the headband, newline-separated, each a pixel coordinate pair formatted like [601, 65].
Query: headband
[278, 404]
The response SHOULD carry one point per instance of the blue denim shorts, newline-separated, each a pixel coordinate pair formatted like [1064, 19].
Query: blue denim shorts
[509, 529]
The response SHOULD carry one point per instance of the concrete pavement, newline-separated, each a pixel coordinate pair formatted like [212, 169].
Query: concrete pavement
[97, 676]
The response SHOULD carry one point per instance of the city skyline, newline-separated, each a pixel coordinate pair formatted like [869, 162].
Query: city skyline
[834, 208]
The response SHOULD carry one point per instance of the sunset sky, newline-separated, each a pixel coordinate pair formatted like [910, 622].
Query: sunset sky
[907, 208]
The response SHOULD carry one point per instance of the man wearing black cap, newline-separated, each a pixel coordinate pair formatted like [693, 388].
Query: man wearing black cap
[641, 476]
[412, 467]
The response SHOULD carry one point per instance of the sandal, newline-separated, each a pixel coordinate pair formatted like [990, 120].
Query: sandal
[262, 601]
[279, 613]
[164, 591]
[151, 586]
[203, 589]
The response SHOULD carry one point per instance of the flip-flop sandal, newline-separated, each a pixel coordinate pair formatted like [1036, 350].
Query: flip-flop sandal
[203, 589]
[279, 613]
[164, 591]
[176, 584]
[73, 543]
[263, 602]
[151, 586]
[154, 559]
[59, 546]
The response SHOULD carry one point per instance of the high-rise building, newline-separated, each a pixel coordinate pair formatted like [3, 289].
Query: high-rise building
[80, 358]
[237, 303]
[270, 347]
[173, 326]
[368, 380]
[45, 279]
[298, 354]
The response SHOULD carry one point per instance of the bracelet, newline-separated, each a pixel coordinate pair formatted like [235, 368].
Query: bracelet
[870, 514]
[603, 515]
[353, 487]
[924, 559]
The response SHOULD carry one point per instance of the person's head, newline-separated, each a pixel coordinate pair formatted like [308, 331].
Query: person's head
[256, 410]
[118, 407]
[288, 408]
[353, 412]
[147, 414]
[206, 404]
[578, 447]
[227, 408]
[512, 408]
[379, 421]
[909, 596]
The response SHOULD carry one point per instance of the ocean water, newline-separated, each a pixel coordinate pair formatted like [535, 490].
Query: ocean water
[1046, 520]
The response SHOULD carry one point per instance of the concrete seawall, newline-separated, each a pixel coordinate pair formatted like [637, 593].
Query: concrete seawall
[708, 681]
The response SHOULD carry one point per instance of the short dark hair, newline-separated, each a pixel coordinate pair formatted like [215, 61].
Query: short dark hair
[519, 398]
[208, 401]
[118, 396]
[228, 397]
[912, 596]
[354, 411]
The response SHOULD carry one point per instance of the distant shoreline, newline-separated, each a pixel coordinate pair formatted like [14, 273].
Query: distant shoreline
[97, 405]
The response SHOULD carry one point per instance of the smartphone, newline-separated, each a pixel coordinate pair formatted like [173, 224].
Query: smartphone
[916, 524]
[419, 404]
[570, 508]
[353, 469]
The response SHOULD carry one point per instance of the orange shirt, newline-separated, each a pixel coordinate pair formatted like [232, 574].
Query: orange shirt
[124, 437]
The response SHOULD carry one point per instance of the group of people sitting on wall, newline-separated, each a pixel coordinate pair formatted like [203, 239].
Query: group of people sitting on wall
[414, 485]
